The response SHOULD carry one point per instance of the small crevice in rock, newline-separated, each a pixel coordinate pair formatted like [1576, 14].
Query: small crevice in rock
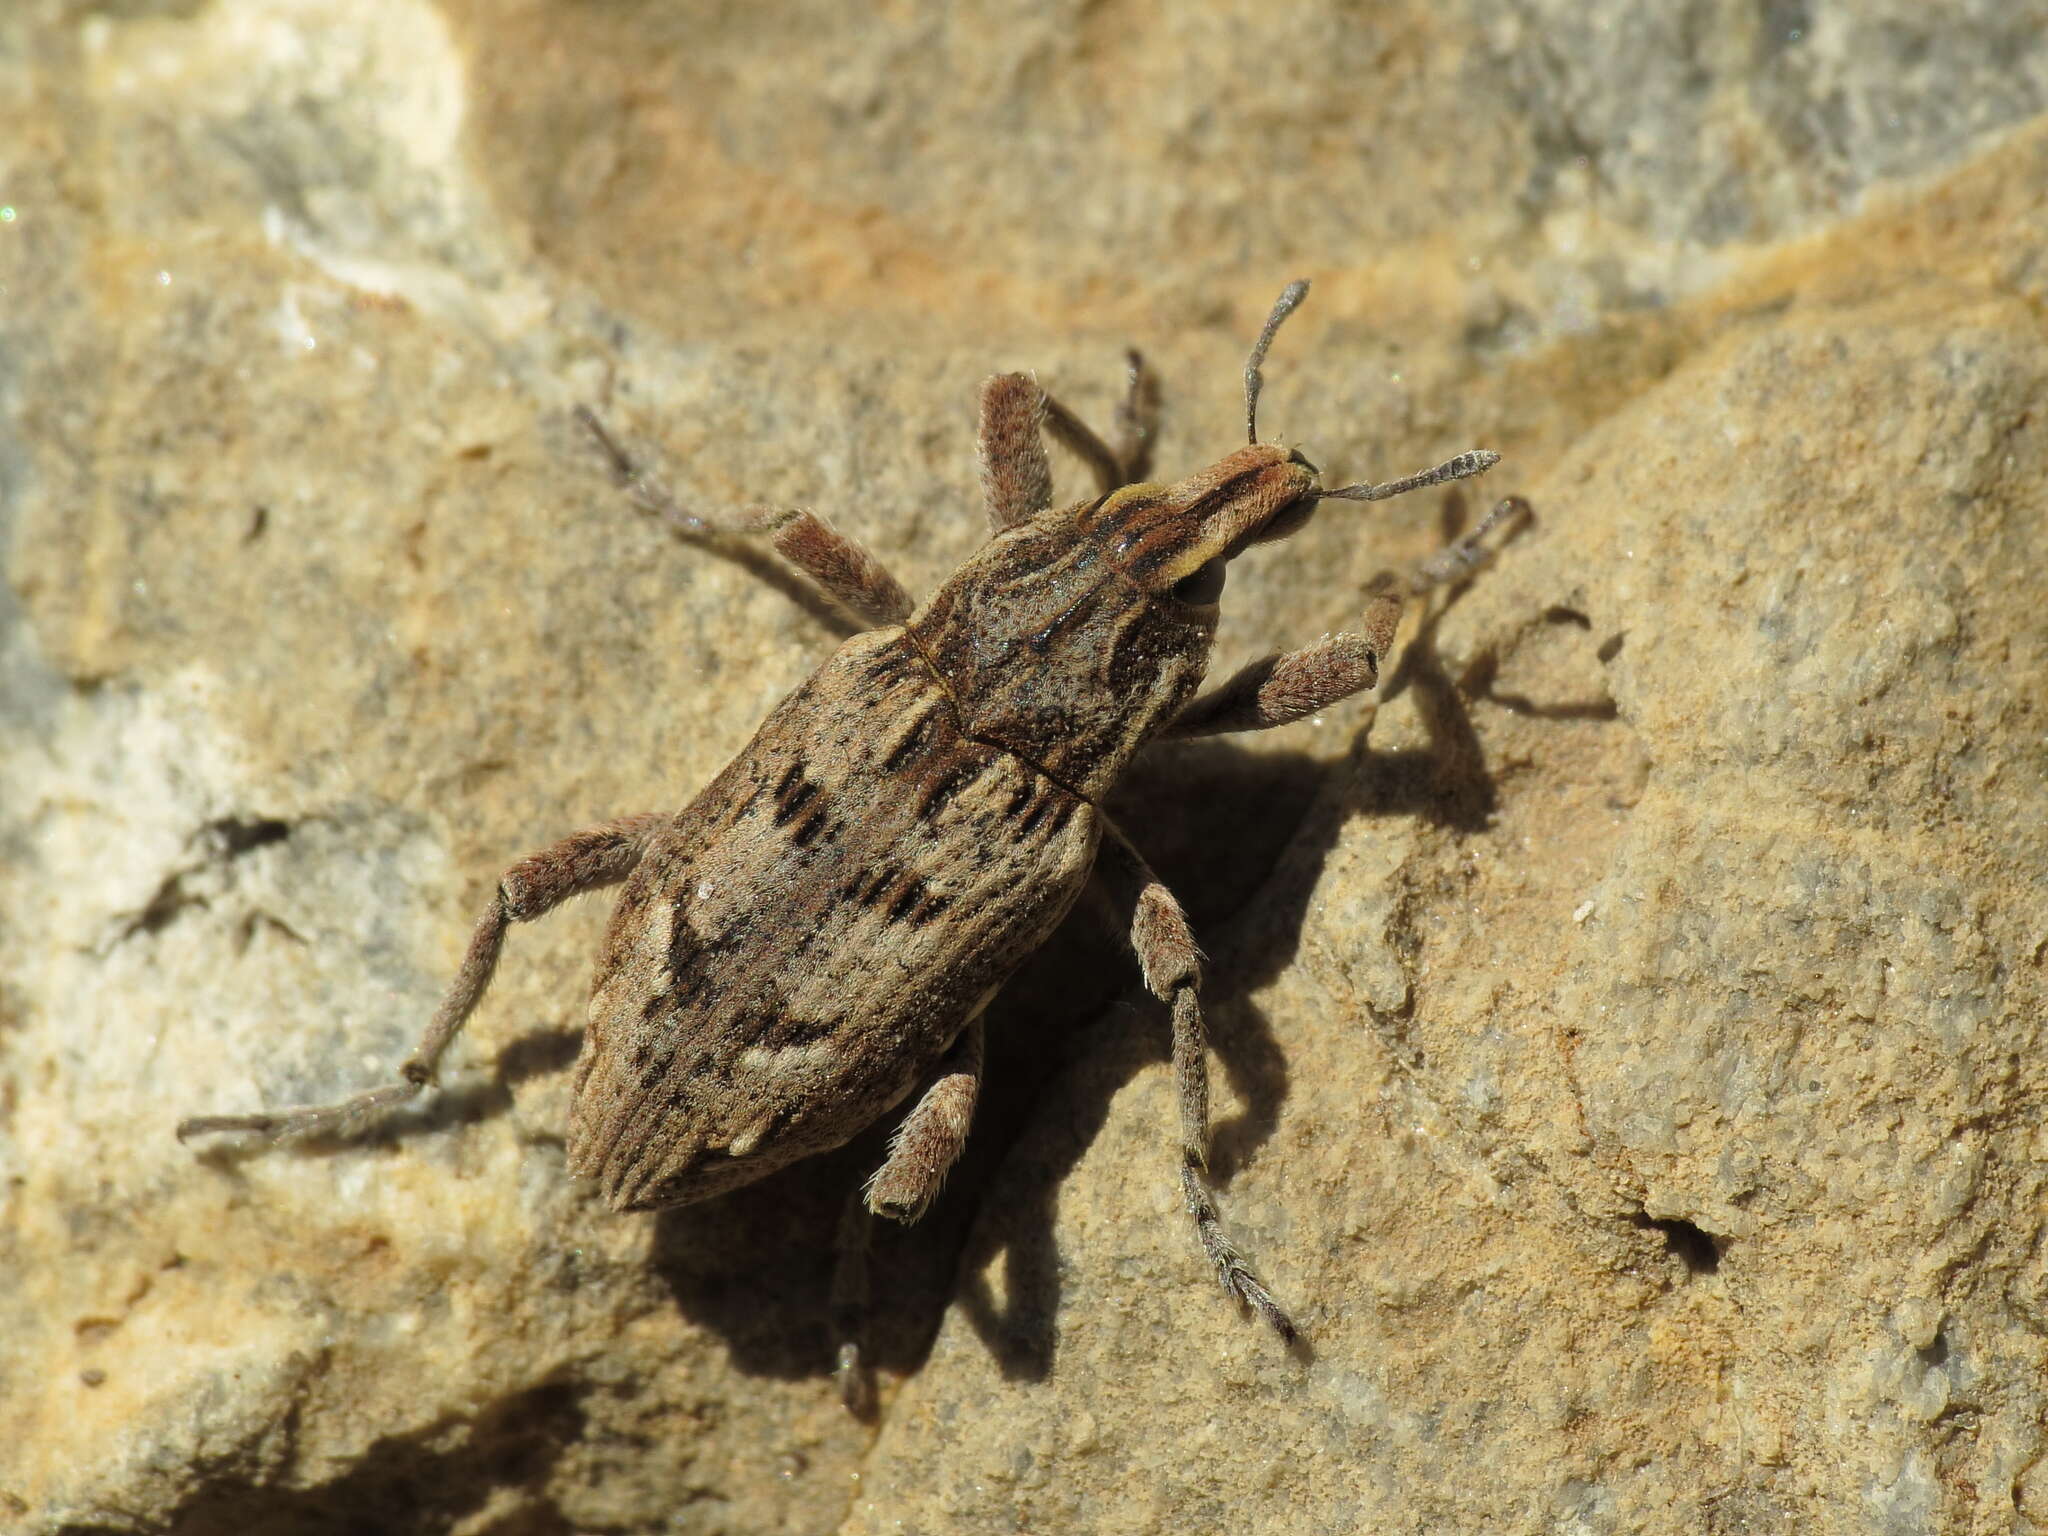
[1696, 1248]
[235, 836]
[222, 841]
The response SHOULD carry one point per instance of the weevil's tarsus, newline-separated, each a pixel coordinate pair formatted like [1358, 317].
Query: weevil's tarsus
[1075, 435]
[1471, 551]
[836, 561]
[642, 489]
[595, 857]
[1476, 461]
[851, 1295]
[1289, 300]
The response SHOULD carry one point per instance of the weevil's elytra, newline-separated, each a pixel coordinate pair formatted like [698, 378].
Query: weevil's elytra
[811, 941]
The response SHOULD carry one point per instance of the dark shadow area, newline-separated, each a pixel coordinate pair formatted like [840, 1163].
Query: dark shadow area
[1067, 1032]
[426, 1481]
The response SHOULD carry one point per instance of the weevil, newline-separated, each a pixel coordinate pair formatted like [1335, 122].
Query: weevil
[811, 941]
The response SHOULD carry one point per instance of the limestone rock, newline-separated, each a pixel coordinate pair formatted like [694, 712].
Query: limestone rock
[1629, 1028]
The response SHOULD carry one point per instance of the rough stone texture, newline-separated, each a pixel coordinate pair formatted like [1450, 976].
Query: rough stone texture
[1632, 1053]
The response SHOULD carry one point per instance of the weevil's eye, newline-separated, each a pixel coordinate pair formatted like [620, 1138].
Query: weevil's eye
[1296, 456]
[1203, 587]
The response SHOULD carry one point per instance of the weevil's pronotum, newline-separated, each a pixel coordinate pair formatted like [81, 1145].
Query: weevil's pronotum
[811, 941]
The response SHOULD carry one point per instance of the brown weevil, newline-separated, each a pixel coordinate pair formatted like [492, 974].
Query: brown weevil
[811, 941]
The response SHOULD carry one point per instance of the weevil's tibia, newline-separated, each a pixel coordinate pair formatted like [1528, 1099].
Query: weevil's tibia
[1015, 418]
[930, 1139]
[597, 856]
[1278, 690]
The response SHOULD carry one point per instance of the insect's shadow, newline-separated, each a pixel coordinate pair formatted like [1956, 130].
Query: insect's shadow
[1227, 828]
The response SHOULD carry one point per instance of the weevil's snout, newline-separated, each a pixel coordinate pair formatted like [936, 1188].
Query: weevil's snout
[1176, 538]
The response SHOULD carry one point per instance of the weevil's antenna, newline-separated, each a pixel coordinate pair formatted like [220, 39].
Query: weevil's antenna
[1290, 297]
[1475, 462]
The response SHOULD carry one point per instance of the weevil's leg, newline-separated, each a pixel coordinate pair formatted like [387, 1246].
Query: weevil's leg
[1137, 419]
[1172, 967]
[850, 1295]
[1466, 554]
[921, 1154]
[930, 1139]
[836, 561]
[1278, 689]
[1074, 435]
[1016, 476]
[596, 856]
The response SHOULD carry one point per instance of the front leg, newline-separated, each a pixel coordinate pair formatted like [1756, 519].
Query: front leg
[836, 561]
[1279, 689]
[1016, 415]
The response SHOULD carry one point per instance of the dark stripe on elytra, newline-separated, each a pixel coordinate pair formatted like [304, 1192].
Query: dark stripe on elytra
[784, 1033]
[867, 891]
[929, 910]
[900, 908]
[808, 829]
[789, 803]
[910, 745]
[941, 794]
[1037, 815]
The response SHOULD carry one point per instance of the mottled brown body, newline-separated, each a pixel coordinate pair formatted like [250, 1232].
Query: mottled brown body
[803, 942]
[810, 942]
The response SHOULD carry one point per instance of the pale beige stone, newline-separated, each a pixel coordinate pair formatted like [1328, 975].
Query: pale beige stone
[1630, 1054]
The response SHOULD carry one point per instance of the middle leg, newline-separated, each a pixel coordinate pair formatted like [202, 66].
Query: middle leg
[1171, 965]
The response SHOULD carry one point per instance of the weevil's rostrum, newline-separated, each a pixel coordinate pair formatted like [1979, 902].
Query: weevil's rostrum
[811, 941]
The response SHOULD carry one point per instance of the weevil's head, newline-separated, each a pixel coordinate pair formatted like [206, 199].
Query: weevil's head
[1073, 638]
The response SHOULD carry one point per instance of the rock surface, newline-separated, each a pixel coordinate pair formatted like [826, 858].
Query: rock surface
[1629, 1030]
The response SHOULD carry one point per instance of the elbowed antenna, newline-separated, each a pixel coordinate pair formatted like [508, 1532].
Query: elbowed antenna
[1290, 298]
[1476, 461]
